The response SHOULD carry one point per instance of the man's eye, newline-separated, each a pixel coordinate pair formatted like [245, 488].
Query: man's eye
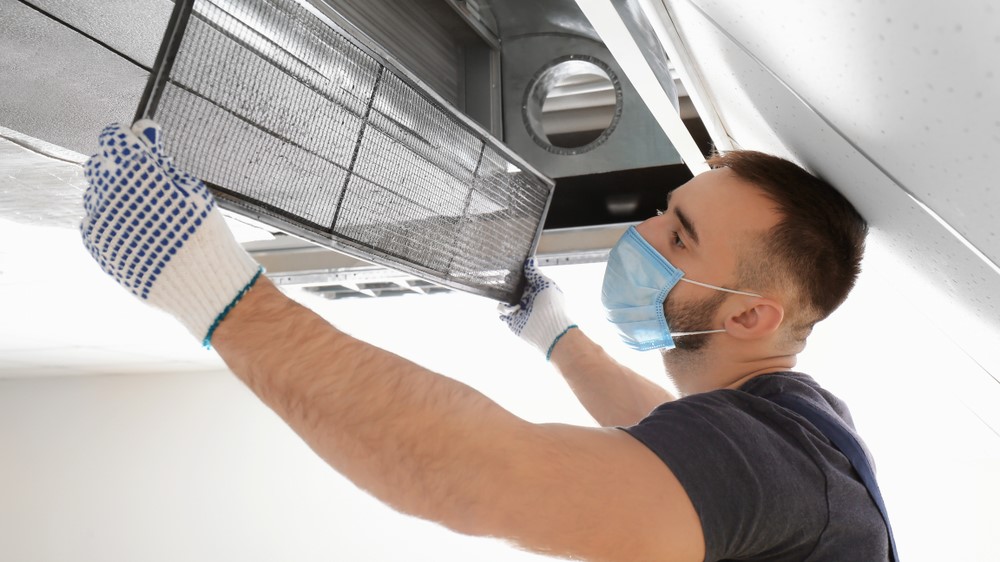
[677, 240]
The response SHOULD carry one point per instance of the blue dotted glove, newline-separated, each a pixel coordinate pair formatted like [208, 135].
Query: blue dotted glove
[157, 232]
[539, 318]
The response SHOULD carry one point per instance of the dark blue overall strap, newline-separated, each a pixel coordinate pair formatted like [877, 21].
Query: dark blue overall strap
[836, 431]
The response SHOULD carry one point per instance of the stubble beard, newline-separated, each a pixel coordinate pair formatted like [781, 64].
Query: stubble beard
[684, 360]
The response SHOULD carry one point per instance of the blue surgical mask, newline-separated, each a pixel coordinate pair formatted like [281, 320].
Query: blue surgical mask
[636, 283]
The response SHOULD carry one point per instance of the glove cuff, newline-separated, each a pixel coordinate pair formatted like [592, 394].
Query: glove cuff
[205, 279]
[548, 352]
[548, 322]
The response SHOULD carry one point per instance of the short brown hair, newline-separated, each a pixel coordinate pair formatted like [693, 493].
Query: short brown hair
[816, 247]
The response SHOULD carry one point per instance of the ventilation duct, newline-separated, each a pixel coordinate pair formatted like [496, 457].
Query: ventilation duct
[568, 107]
[304, 125]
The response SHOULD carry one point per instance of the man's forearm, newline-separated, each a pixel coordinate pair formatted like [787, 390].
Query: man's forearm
[614, 394]
[389, 425]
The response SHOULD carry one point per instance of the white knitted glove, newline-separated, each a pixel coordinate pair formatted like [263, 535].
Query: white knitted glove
[156, 230]
[539, 318]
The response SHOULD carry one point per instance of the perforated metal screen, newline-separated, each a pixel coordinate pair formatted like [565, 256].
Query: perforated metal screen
[291, 120]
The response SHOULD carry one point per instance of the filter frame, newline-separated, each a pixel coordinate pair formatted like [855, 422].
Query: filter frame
[160, 78]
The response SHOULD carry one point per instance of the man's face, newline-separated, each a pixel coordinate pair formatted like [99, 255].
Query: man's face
[699, 232]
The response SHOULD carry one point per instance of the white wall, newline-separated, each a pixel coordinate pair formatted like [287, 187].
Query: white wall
[190, 466]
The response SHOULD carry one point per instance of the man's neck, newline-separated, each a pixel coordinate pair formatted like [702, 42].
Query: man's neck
[704, 371]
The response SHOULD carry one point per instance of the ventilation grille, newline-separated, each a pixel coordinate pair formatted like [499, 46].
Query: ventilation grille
[291, 120]
[395, 288]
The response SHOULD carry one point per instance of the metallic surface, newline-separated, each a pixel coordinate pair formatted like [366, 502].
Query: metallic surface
[535, 33]
[652, 51]
[299, 125]
[439, 44]
[293, 261]
[428, 37]
[67, 70]
[478, 15]
[362, 40]
[681, 62]
[628, 38]
[543, 122]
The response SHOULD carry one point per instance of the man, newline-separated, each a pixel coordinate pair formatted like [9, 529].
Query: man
[722, 473]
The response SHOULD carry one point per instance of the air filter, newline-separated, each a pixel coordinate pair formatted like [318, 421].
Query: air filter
[301, 122]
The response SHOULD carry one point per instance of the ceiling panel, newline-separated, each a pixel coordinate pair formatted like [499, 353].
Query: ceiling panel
[911, 86]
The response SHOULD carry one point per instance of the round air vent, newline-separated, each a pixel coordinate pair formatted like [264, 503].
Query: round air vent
[572, 104]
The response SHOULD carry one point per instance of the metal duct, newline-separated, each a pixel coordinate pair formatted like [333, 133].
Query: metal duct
[568, 107]
[434, 40]
[293, 120]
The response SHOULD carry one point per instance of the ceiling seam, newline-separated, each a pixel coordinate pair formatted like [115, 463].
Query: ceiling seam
[84, 34]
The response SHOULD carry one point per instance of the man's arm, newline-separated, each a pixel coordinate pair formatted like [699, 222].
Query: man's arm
[421, 442]
[435, 448]
[614, 394]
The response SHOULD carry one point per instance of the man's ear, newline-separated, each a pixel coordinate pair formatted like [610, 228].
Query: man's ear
[757, 317]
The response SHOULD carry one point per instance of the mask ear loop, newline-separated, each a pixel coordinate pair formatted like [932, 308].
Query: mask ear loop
[723, 289]
[680, 334]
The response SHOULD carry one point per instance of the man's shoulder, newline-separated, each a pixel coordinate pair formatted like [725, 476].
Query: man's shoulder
[734, 448]
[758, 391]
[743, 412]
[741, 422]
[754, 398]
[800, 385]
[738, 448]
[783, 382]
[745, 425]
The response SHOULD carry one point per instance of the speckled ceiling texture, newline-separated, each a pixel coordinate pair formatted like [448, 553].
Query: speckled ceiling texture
[60, 86]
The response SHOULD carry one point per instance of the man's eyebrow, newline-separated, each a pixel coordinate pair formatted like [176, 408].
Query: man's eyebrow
[685, 221]
[686, 224]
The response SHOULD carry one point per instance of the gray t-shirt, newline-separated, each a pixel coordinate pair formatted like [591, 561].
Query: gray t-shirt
[765, 483]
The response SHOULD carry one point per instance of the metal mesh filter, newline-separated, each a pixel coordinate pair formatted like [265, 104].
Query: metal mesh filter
[293, 121]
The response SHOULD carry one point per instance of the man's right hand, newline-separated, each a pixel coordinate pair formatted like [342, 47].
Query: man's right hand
[540, 317]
